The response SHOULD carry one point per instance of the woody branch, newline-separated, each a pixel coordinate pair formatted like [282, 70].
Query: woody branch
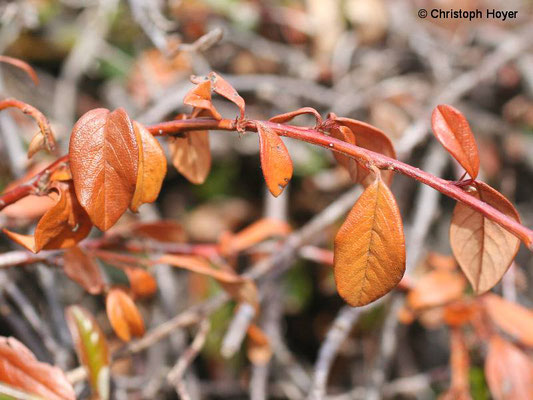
[365, 157]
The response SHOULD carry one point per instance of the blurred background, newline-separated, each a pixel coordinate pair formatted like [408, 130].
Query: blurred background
[374, 60]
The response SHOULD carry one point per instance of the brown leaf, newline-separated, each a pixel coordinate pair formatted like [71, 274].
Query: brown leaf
[511, 318]
[258, 349]
[29, 207]
[275, 160]
[483, 249]
[223, 88]
[62, 226]
[191, 155]
[83, 269]
[282, 118]
[162, 231]
[125, 318]
[20, 369]
[152, 168]
[459, 313]
[369, 252]
[453, 131]
[91, 347]
[253, 234]
[436, 288]
[371, 138]
[104, 160]
[346, 135]
[142, 283]
[509, 371]
[200, 97]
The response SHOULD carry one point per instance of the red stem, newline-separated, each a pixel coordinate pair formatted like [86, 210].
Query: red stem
[315, 137]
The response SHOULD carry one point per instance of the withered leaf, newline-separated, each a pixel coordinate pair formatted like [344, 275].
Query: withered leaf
[346, 135]
[258, 348]
[453, 131]
[83, 269]
[152, 167]
[369, 252]
[125, 318]
[200, 97]
[24, 66]
[436, 288]
[282, 118]
[191, 155]
[223, 88]
[104, 160]
[483, 249]
[62, 226]
[276, 162]
[512, 318]
[142, 283]
[91, 348]
[509, 371]
[20, 369]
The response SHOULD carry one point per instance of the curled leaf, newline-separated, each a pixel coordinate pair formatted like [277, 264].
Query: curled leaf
[62, 226]
[511, 318]
[125, 318]
[19, 368]
[47, 140]
[369, 252]
[191, 155]
[223, 88]
[282, 118]
[24, 66]
[371, 138]
[82, 269]
[104, 160]
[91, 348]
[275, 160]
[483, 249]
[509, 371]
[453, 131]
[152, 168]
[200, 97]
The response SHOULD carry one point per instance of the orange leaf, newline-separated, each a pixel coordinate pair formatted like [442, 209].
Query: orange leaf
[152, 168]
[258, 349]
[200, 97]
[453, 131]
[483, 249]
[104, 160]
[91, 348]
[512, 318]
[282, 118]
[371, 138]
[436, 288]
[20, 369]
[253, 234]
[459, 313]
[369, 253]
[509, 371]
[346, 135]
[62, 226]
[82, 269]
[242, 289]
[275, 160]
[223, 88]
[191, 155]
[142, 283]
[123, 314]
